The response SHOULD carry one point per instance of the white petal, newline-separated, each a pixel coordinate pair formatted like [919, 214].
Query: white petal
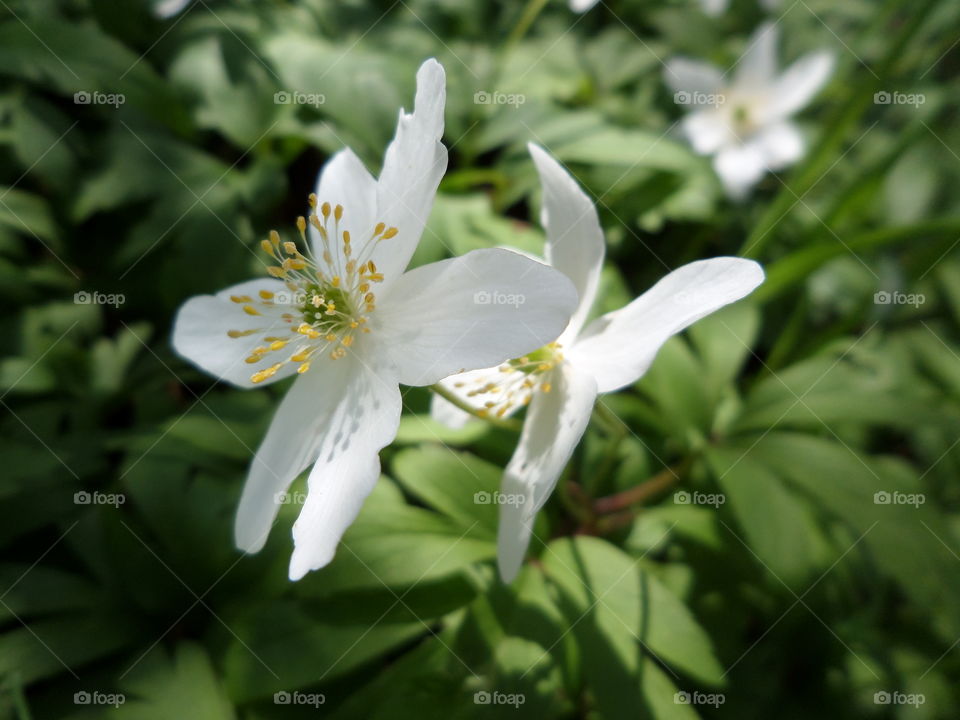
[714, 7]
[201, 326]
[757, 67]
[412, 168]
[708, 131]
[782, 144]
[291, 444]
[684, 75]
[554, 425]
[740, 167]
[169, 8]
[582, 5]
[363, 423]
[618, 348]
[798, 84]
[446, 413]
[575, 244]
[462, 386]
[345, 181]
[474, 311]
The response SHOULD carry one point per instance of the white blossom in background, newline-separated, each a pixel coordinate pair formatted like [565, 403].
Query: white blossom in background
[169, 8]
[342, 315]
[718, 7]
[710, 7]
[559, 382]
[745, 124]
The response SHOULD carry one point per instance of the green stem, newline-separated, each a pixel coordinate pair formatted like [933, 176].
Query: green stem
[530, 13]
[828, 149]
[505, 423]
[789, 271]
[656, 485]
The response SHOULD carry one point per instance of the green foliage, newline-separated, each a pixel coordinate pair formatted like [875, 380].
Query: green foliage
[822, 423]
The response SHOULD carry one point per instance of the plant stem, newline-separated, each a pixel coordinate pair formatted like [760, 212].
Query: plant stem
[820, 161]
[530, 13]
[505, 423]
[659, 483]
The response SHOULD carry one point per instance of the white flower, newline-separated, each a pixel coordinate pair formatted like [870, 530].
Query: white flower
[346, 317]
[710, 7]
[560, 381]
[169, 8]
[746, 124]
[718, 7]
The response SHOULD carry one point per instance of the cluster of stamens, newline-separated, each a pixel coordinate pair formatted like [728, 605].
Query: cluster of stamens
[330, 296]
[519, 380]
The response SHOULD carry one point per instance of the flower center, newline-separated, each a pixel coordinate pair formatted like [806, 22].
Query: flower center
[330, 297]
[520, 379]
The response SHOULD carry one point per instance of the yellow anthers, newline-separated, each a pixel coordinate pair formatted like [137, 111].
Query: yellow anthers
[546, 387]
[262, 375]
[331, 286]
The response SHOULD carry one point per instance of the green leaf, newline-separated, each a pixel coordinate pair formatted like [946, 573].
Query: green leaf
[184, 684]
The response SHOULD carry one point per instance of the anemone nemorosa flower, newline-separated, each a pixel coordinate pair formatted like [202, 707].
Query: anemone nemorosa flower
[745, 124]
[559, 382]
[342, 315]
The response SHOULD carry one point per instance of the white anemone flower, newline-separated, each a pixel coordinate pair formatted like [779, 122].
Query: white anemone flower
[710, 7]
[718, 7]
[350, 323]
[745, 124]
[560, 382]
